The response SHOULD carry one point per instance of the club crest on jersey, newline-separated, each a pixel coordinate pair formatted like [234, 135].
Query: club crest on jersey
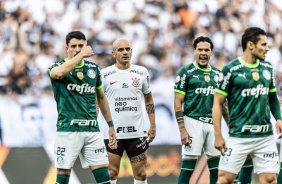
[135, 82]
[266, 74]
[91, 74]
[207, 78]
[255, 76]
[80, 75]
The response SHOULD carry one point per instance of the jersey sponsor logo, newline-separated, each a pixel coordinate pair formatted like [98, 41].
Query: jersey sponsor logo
[255, 128]
[236, 67]
[182, 80]
[265, 65]
[206, 120]
[111, 83]
[242, 75]
[255, 76]
[259, 90]
[100, 150]
[136, 71]
[84, 122]
[125, 85]
[80, 75]
[209, 90]
[270, 155]
[122, 107]
[135, 82]
[196, 76]
[266, 74]
[89, 65]
[226, 80]
[207, 78]
[91, 74]
[109, 73]
[127, 129]
[125, 98]
[177, 78]
[81, 88]
[191, 70]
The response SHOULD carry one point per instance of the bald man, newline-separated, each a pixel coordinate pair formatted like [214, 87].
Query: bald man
[124, 84]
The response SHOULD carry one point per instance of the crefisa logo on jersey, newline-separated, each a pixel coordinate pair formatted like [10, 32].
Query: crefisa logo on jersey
[135, 82]
[255, 76]
[91, 74]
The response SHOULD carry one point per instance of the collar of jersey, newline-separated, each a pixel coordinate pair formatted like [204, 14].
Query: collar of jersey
[247, 64]
[77, 66]
[205, 70]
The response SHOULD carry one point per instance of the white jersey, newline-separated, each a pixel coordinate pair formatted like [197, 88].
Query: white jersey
[124, 89]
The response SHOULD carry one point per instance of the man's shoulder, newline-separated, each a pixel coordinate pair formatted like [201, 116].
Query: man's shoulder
[105, 72]
[215, 70]
[265, 64]
[139, 70]
[233, 65]
[190, 68]
[90, 64]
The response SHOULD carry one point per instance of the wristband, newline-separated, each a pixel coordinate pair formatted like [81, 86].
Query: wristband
[110, 123]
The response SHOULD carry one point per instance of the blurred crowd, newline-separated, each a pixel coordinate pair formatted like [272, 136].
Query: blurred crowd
[32, 35]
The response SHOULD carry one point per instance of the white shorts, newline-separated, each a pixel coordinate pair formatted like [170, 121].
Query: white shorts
[89, 146]
[263, 151]
[202, 138]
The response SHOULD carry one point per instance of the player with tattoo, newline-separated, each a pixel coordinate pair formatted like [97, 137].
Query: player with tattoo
[248, 84]
[194, 90]
[124, 84]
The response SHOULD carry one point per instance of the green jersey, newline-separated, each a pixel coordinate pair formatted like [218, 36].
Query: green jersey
[247, 87]
[75, 95]
[198, 86]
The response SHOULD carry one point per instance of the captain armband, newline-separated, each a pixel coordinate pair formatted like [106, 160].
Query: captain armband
[110, 123]
[179, 117]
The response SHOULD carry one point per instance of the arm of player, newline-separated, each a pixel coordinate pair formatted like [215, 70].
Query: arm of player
[105, 110]
[218, 102]
[178, 101]
[225, 113]
[64, 69]
[150, 108]
[275, 110]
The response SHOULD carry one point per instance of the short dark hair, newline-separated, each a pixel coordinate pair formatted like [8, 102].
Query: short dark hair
[75, 34]
[251, 34]
[202, 39]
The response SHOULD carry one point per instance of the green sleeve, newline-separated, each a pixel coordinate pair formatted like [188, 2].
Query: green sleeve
[274, 106]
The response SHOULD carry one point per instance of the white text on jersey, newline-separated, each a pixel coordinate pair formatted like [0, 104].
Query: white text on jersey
[84, 122]
[207, 91]
[81, 88]
[259, 90]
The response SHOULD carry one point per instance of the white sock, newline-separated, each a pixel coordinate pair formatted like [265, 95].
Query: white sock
[113, 181]
[140, 182]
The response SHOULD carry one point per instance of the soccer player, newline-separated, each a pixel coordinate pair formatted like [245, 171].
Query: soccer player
[124, 84]
[248, 84]
[76, 85]
[194, 89]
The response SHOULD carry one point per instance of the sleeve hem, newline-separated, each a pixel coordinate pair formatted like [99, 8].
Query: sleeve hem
[221, 92]
[178, 91]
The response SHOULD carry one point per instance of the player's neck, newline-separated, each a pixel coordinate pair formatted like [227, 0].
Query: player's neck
[122, 67]
[248, 58]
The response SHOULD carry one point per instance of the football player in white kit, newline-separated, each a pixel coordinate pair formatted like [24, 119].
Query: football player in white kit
[124, 84]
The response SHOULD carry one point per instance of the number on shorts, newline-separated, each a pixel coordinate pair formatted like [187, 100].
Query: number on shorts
[228, 151]
[60, 151]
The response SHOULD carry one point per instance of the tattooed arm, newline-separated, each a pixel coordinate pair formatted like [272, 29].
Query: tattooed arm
[225, 113]
[178, 101]
[150, 108]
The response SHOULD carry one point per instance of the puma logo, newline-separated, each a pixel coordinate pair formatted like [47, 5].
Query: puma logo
[197, 76]
[242, 75]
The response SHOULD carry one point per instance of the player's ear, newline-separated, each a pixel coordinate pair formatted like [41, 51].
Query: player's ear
[113, 54]
[85, 43]
[250, 45]
[211, 52]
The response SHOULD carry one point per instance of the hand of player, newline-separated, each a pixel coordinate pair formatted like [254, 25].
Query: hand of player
[112, 136]
[86, 50]
[151, 133]
[185, 137]
[279, 128]
[280, 100]
[219, 144]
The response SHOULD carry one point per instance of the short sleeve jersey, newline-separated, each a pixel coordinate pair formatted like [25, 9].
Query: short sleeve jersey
[247, 87]
[123, 89]
[75, 95]
[198, 86]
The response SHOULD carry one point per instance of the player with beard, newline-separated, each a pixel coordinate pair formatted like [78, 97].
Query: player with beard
[194, 90]
[248, 84]
[124, 84]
